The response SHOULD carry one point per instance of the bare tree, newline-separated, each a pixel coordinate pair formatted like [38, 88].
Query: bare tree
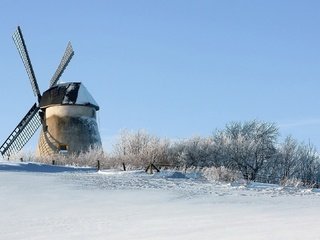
[250, 145]
[288, 158]
[308, 164]
[140, 148]
[196, 152]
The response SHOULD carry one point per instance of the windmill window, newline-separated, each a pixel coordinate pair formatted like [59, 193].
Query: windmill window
[63, 147]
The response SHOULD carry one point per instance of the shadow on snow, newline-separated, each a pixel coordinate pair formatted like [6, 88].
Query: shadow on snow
[36, 167]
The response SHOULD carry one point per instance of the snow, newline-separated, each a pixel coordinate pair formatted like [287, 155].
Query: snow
[69, 111]
[84, 97]
[70, 88]
[51, 202]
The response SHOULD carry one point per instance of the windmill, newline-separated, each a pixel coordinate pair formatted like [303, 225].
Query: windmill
[66, 112]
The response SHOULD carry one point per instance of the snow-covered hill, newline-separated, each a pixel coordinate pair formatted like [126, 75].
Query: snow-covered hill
[52, 202]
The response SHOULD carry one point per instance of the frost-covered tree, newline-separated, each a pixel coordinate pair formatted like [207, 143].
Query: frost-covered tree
[220, 152]
[308, 163]
[288, 158]
[195, 152]
[250, 145]
[140, 148]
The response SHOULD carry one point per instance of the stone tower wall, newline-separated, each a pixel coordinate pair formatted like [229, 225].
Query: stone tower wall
[71, 125]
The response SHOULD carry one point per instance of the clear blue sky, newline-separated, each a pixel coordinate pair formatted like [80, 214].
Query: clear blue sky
[175, 68]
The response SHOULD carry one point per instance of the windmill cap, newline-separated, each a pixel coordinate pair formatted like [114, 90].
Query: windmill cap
[72, 93]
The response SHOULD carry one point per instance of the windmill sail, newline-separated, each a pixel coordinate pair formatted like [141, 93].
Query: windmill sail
[21, 46]
[63, 64]
[22, 133]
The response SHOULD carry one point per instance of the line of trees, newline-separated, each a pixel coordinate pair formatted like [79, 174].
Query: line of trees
[250, 148]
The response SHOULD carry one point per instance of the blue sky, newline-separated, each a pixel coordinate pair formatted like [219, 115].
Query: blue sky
[175, 68]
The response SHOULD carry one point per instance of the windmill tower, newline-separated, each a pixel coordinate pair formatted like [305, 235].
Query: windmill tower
[66, 112]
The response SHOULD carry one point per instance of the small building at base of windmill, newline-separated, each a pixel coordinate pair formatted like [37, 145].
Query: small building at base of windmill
[69, 120]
